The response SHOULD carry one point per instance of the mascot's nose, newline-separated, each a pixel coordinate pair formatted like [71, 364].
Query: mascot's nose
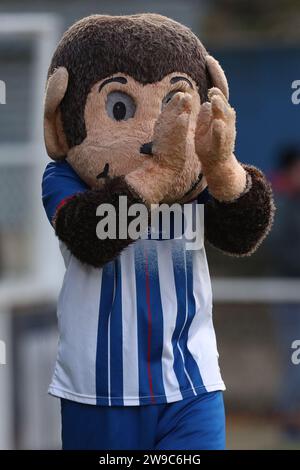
[104, 173]
[146, 149]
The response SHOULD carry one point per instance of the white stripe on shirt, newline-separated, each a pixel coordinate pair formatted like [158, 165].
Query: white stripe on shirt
[201, 337]
[81, 324]
[169, 307]
[129, 327]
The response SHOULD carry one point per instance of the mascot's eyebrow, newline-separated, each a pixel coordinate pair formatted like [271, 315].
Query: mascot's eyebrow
[178, 79]
[122, 80]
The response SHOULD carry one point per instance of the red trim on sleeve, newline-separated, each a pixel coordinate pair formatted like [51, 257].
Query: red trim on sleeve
[60, 205]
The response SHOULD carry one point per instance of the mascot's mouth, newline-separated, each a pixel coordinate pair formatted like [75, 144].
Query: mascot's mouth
[105, 171]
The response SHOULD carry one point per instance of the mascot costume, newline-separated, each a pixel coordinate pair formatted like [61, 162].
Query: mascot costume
[136, 107]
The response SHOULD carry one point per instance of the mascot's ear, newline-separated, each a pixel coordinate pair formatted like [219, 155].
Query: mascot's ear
[55, 139]
[217, 75]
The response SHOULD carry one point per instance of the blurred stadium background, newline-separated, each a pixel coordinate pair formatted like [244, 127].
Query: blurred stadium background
[256, 313]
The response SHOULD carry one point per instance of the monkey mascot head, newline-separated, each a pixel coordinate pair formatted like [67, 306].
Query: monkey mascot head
[116, 85]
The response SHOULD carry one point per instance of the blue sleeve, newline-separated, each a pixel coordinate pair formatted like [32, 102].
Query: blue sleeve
[59, 183]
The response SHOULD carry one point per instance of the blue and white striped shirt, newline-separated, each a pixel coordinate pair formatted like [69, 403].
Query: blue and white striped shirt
[138, 331]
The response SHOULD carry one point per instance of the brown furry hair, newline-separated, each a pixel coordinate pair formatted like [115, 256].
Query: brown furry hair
[146, 47]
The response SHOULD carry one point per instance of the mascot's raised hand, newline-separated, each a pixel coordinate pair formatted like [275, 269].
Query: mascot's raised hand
[215, 140]
[154, 180]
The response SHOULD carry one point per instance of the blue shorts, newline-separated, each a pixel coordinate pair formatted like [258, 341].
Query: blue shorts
[196, 423]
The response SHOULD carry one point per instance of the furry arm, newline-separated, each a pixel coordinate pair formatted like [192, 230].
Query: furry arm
[239, 227]
[76, 221]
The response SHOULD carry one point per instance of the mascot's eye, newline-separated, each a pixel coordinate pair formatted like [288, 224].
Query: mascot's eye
[120, 106]
[168, 98]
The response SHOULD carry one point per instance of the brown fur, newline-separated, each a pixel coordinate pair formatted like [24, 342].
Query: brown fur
[147, 47]
[239, 227]
[76, 220]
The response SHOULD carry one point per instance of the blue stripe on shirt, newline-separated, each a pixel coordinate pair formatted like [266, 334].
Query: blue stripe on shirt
[142, 324]
[180, 319]
[157, 337]
[150, 325]
[185, 313]
[116, 342]
[191, 364]
[106, 299]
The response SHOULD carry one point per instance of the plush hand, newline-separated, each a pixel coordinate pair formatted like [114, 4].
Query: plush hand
[214, 142]
[154, 180]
